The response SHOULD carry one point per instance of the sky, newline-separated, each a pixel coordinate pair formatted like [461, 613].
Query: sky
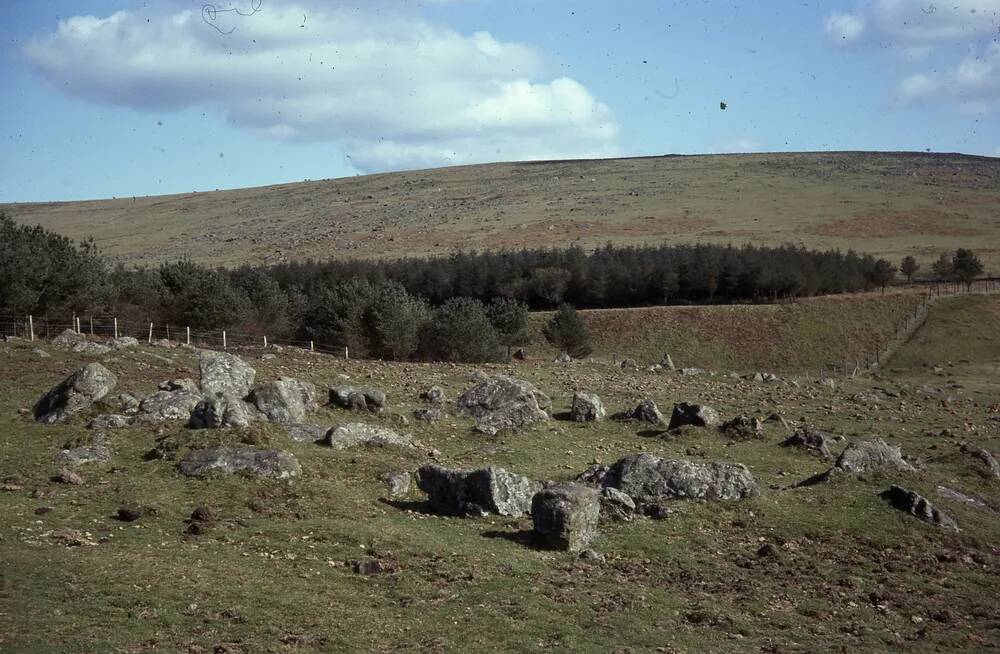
[119, 98]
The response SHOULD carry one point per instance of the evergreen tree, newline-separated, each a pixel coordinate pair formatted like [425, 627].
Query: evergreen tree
[510, 320]
[461, 331]
[567, 331]
[943, 268]
[966, 267]
[909, 267]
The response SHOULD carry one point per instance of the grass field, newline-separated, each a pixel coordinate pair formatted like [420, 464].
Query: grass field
[844, 571]
[887, 204]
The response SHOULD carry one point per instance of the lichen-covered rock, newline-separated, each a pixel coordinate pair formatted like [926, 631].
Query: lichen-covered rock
[476, 492]
[67, 339]
[75, 394]
[225, 373]
[358, 399]
[587, 407]
[503, 403]
[286, 401]
[629, 364]
[594, 475]
[93, 349]
[123, 342]
[650, 480]
[565, 516]
[357, 433]
[992, 467]
[220, 410]
[434, 395]
[110, 421]
[398, 483]
[428, 414]
[307, 433]
[616, 505]
[697, 415]
[811, 440]
[646, 411]
[864, 458]
[127, 403]
[264, 463]
[79, 455]
[168, 405]
[919, 507]
[743, 428]
[562, 357]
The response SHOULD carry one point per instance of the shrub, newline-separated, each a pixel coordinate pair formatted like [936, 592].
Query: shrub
[510, 320]
[461, 331]
[966, 267]
[396, 320]
[909, 267]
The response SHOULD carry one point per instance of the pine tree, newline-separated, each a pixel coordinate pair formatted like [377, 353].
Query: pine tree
[567, 331]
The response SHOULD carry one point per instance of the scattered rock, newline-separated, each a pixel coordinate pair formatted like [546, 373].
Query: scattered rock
[94, 349]
[918, 506]
[649, 480]
[646, 411]
[565, 516]
[80, 455]
[129, 404]
[956, 496]
[307, 433]
[434, 395]
[992, 467]
[591, 556]
[594, 475]
[264, 463]
[286, 401]
[616, 505]
[519, 355]
[219, 410]
[71, 538]
[476, 492]
[203, 514]
[42, 354]
[629, 364]
[357, 433]
[693, 414]
[691, 372]
[743, 428]
[123, 342]
[185, 384]
[667, 363]
[504, 403]
[587, 407]
[129, 514]
[67, 476]
[370, 567]
[75, 394]
[562, 357]
[67, 339]
[780, 419]
[428, 414]
[168, 405]
[110, 421]
[863, 458]
[810, 440]
[358, 399]
[225, 373]
[398, 483]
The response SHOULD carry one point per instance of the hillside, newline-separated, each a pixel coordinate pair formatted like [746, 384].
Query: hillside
[888, 204]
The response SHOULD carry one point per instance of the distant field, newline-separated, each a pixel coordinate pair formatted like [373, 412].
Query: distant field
[801, 337]
[887, 204]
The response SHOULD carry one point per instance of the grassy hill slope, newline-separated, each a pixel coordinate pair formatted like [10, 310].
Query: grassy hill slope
[889, 204]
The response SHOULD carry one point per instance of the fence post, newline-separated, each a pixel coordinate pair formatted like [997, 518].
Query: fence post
[73, 324]
[116, 328]
[189, 336]
[150, 333]
[31, 327]
[312, 348]
[92, 325]
[223, 339]
[168, 332]
[265, 342]
[347, 354]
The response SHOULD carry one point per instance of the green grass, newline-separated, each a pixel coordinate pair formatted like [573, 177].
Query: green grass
[270, 576]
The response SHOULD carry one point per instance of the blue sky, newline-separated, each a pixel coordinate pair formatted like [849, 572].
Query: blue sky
[107, 98]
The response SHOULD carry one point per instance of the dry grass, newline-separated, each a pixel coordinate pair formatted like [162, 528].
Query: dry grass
[886, 204]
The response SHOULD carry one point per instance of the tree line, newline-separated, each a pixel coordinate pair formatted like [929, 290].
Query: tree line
[469, 306]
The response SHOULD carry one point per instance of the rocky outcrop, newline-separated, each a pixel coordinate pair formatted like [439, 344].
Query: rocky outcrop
[307, 433]
[263, 463]
[616, 505]
[504, 403]
[185, 384]
[562, 357]
[697, 415]
[434, 395]
[476, 492]
[358, 399]
[743, 428]
[168, 405]
[110, 421]
[225, 373]
[76, 393]
[565, 516]
[587, 407]
[919, 507]
[356, 434]
[649, 480]
[811, 440]
[987, 459]
[286, 401]
[79, 455]
[863, 458]
[221, 410]
[646, 411]
[67, 339]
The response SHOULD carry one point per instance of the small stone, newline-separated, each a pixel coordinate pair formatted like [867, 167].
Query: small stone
[398, 483]
[565, 516]
[67, 476]
[129, 514]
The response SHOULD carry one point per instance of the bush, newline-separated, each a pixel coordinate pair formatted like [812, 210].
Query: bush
[966, 267]
[395, 321]
[510, 320]
[461, 331]
[567, 331]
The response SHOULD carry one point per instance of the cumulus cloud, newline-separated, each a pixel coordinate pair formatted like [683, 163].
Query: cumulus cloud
[908, 23]
[844, 29]
[974, 83]
[391, 89]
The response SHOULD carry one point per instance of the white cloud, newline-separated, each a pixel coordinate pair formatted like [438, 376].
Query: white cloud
[390, 88]
[844, 29]
[973, 83]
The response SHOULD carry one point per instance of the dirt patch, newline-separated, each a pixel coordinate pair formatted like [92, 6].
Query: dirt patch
[887, 224]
